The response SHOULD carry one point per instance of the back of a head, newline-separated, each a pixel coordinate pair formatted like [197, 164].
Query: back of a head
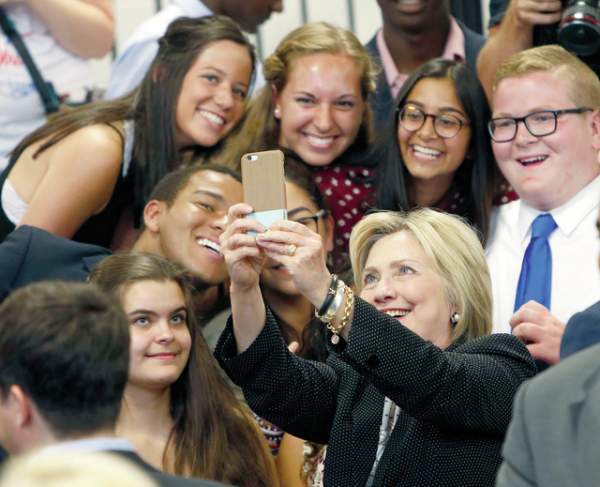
[66, 345]
[68, 469]
[584, 85]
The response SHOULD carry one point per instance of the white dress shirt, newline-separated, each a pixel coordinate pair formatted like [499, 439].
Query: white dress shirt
[87, 445]
[575, 249]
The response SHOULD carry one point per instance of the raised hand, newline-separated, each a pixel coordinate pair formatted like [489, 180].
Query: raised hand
[539, 330]
[243, 257]
[536, 12]
[301, 251]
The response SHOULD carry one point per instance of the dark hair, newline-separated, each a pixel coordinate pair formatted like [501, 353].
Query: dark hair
[213, 432]
[169, 187]
[296, 172]
[477, 176]
[67, 346]
[152, 105]
[313, 339]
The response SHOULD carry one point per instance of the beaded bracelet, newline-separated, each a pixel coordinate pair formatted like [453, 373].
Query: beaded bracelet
[348, 303]
[329, 298]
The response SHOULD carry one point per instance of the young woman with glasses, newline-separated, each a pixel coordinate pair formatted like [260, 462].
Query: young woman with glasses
[436, 151]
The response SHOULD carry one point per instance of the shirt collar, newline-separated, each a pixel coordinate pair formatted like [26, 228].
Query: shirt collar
[568, 216]
[193, 8]
[90, 445]
[454, 50]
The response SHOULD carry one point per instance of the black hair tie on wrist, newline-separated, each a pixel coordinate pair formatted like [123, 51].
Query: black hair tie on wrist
[330, 295]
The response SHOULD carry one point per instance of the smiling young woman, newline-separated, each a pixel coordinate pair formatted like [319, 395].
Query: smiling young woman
[177, 410]
[315, 105]
[77, 175]
[436, 151]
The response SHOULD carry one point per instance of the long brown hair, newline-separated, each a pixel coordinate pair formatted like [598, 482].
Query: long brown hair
[260, 130]
[152, 105]
[213, 435]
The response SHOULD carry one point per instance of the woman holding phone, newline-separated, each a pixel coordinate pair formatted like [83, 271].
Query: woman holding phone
[415, 390]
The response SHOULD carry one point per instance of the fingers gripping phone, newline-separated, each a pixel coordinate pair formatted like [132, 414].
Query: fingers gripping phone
[264, 185]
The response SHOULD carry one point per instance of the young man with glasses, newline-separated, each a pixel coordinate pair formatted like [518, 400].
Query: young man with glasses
[542, 254]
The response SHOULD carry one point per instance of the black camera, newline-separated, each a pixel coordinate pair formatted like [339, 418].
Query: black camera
[579, 29]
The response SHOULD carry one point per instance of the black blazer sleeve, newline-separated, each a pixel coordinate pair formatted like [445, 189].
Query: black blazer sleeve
[468, 387]
[13, 252]
[297, 395]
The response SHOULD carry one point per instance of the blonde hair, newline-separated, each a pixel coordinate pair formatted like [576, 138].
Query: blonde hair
[584, 85]
[260, 129]
[69, 469]
[455, 253]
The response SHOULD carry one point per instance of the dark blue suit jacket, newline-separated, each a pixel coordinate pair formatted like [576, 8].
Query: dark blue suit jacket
[382, 102]
[583, 331]
[29, 254]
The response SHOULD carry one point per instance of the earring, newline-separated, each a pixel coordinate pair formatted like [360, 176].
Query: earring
[277, 112]
[454, 318]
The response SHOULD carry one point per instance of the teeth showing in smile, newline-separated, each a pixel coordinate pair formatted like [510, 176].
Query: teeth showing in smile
[204, 242]
[526, 161]
[397, 313]
[212, 117]
[320, 141]
[426, 152]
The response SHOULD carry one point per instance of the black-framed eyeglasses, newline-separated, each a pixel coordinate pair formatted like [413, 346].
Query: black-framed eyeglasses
[310, 221]
[445, 125]
[538, 124]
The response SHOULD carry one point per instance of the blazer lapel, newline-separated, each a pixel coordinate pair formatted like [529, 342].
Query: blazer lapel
[366, 424]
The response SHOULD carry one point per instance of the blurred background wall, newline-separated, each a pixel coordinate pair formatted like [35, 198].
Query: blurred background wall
[361, 16]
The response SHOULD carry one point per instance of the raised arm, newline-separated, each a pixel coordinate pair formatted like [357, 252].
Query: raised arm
[84, 27]
[514, 34]
[244, 262]
[82, 172]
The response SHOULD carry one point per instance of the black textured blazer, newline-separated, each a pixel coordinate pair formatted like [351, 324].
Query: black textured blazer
[455, 404]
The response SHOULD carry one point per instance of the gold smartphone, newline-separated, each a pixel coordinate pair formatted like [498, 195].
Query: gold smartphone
[263, 179]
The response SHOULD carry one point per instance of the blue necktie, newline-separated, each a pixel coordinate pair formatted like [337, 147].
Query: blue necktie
[535, 281]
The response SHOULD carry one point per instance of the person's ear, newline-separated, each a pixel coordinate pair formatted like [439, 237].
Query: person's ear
[18, 406]
[153, 211]
[595, 120]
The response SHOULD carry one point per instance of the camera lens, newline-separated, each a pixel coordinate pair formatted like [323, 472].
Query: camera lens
[579, 30]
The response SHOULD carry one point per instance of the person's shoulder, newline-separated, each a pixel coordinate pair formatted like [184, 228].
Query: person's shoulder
[562, 380]
[470, 34]
[371, 45]
[582, 331]
[495, 343]
[99, 144]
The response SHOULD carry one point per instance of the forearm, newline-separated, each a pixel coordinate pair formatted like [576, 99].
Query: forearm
[83, 27]
[510, 37]
[248, 312]
[296, 394]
